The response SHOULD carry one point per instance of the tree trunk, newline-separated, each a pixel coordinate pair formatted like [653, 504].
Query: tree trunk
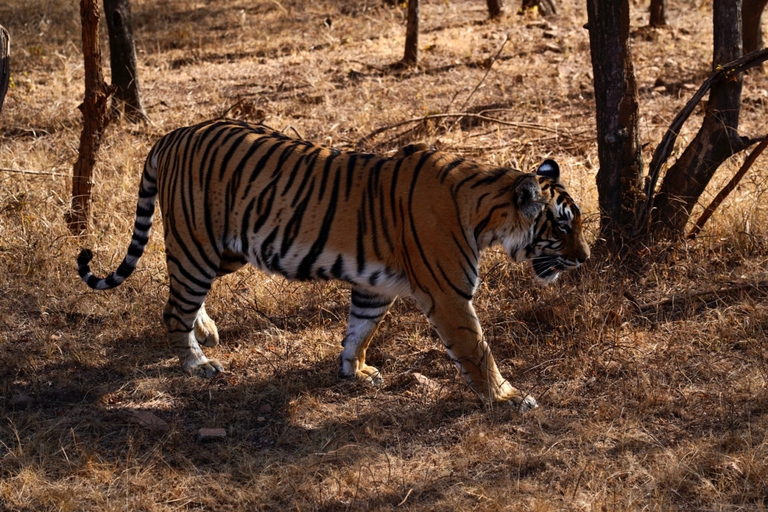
[5, 63]
[751, 28]
[95, 119]
[717, 138]
[658, 13]
[122, 60]
[546, 7]
[618, 141]
[411, 57]
[495, 8]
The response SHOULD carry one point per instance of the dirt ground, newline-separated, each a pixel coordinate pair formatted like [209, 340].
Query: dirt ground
[652, 377]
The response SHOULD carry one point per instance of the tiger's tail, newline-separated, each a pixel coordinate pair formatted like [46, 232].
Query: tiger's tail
[145, 212]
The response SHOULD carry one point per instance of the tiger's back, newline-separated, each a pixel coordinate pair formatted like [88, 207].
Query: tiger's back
[233, 193]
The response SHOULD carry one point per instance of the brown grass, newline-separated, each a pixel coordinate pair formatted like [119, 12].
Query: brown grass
[664, 409]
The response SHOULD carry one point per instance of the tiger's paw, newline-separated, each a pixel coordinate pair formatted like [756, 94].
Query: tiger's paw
[514, 397]
[367, 374]
[370, 375]
[526, 404]
[205, 329]
[206, 368]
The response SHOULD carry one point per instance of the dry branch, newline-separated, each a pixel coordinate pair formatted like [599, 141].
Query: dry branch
[665, 147]
[529, 126]
[707, 296]
[36, 173]
[728, 188]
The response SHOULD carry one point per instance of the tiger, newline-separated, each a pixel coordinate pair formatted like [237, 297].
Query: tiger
[411, 225]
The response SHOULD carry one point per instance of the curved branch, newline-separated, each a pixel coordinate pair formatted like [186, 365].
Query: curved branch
[665, 147]
[720, 197]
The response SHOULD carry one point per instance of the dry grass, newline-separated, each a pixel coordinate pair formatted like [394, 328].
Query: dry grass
[664, 409]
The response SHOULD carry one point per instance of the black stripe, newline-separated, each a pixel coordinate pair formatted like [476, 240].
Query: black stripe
[305, 267]
[422, 253]
[337, 270]
[447, 168]
[459, 291]
[293, 225]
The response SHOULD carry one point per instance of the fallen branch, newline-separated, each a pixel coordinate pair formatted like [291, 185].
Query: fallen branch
[39, 173]
[720, 197]
[529, 126]
[705, 296]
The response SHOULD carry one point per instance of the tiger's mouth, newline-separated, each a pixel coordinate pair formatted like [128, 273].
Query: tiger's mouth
[548, 268]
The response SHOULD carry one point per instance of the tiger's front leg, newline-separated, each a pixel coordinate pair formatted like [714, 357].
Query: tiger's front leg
[456, 323]
[366, 310]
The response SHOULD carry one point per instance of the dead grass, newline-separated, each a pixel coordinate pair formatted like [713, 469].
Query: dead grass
[664, 409]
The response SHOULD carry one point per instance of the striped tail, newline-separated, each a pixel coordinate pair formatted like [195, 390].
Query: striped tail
[145, 211]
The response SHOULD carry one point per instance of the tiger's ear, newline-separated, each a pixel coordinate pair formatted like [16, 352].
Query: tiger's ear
[549, 169]
[527, 197]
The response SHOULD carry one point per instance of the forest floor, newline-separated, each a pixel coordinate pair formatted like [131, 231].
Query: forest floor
[652, 377]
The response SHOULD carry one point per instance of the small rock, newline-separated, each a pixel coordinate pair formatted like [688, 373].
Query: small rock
[265, 409]
[147, 420]
[210, 434]
[20, 401]
[424, 381]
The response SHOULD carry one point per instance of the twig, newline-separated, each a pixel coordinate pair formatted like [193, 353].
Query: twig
[488, 70]
[530, 126]
[720, 197]
[664, 149]
[687, 298]
[297, 132]
[41, 173]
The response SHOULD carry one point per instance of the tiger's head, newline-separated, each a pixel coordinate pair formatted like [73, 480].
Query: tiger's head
[556, 242]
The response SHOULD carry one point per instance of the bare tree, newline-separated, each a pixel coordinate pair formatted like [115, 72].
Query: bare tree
[5, 63]
[658, 13]
[546, 7]
[95, 119]
[751, 27]
[411, 57]
[495, 8]
[717, 139]
[619, 151]
[122, 60]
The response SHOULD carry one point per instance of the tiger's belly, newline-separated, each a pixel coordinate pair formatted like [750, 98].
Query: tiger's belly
[304, 263]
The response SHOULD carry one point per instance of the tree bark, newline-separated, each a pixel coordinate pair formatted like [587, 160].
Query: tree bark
[546, 7]
[122, 60]
[751, 27]
[618, 141]
[5, 63]
[717, 138]
[95, 119]
[495, 8]
[658, 13]
[411, 57]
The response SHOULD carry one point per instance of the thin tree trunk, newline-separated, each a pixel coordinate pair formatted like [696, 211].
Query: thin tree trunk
[717, 138]
[546, 7]
[5, 63]
[95, 119]
[751, 27]
[619, 150]
[495, 8]
[411, 57]
[122, 60]
[658, 13]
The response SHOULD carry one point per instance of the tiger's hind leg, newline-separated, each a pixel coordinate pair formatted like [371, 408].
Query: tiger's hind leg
[366, 310]
[185, 317]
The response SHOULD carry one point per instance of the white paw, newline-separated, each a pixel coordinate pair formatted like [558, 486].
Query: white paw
[527, 404]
